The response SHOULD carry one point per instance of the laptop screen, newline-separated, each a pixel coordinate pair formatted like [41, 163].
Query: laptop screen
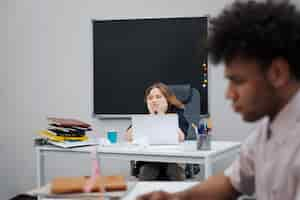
[155, 129]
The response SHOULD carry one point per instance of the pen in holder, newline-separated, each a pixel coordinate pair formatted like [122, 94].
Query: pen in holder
[203, 138]
[204, 142]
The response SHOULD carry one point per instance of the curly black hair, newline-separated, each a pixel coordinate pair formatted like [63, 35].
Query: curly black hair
[257, 30]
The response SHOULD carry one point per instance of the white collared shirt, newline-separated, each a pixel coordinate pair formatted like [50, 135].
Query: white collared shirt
[270, 167]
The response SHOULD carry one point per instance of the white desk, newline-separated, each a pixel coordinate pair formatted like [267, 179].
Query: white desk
[220, 150]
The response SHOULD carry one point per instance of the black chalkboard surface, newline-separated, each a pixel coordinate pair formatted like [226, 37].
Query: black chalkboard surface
[129, 55]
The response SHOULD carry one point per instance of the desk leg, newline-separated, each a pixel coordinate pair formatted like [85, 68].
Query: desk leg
[207, 168]
[39, 167]
[99, 162]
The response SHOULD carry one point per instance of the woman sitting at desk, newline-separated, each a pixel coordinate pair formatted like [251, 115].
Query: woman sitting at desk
[160, 100]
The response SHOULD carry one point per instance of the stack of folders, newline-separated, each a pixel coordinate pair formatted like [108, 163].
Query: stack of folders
[65, 129]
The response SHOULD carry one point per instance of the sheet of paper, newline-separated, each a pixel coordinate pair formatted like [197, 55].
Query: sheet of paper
[70, 144]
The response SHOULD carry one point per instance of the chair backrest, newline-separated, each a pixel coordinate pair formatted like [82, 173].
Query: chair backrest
[190, 97]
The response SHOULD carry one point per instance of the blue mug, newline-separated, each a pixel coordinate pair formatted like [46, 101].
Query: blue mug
[112, 136]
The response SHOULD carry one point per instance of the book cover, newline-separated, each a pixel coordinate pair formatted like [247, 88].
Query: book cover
[52, 136]
[67, 122]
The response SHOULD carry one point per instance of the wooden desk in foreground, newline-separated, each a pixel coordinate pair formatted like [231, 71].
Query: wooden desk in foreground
[134, 189]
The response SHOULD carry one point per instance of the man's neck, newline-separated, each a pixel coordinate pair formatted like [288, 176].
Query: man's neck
[285, 95]
[289, 92]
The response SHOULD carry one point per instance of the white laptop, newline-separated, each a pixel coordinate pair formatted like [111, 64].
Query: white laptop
[155, 129]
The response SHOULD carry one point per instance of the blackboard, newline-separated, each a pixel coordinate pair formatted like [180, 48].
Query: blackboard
[131, 54]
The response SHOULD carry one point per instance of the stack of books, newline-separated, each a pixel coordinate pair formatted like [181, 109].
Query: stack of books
[65, 129]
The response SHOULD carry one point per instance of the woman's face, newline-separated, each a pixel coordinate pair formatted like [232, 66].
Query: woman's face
[156, 102]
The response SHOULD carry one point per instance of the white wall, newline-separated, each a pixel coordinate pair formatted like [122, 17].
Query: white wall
[46, 68]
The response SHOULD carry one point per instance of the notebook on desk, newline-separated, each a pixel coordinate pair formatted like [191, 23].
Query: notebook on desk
[155, 129]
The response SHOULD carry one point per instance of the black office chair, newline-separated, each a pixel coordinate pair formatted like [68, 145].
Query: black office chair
[190, 97]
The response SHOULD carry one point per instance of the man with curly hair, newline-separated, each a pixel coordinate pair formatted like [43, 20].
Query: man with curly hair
[259, 43]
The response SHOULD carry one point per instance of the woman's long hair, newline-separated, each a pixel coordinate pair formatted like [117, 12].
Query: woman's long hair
[168, 94]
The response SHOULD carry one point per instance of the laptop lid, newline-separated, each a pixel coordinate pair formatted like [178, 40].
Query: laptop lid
[155, 129]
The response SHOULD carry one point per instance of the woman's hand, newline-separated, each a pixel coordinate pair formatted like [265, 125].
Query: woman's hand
[128, 135]
[181, 136]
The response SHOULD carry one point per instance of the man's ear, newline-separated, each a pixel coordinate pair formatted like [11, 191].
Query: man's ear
[279, 72]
